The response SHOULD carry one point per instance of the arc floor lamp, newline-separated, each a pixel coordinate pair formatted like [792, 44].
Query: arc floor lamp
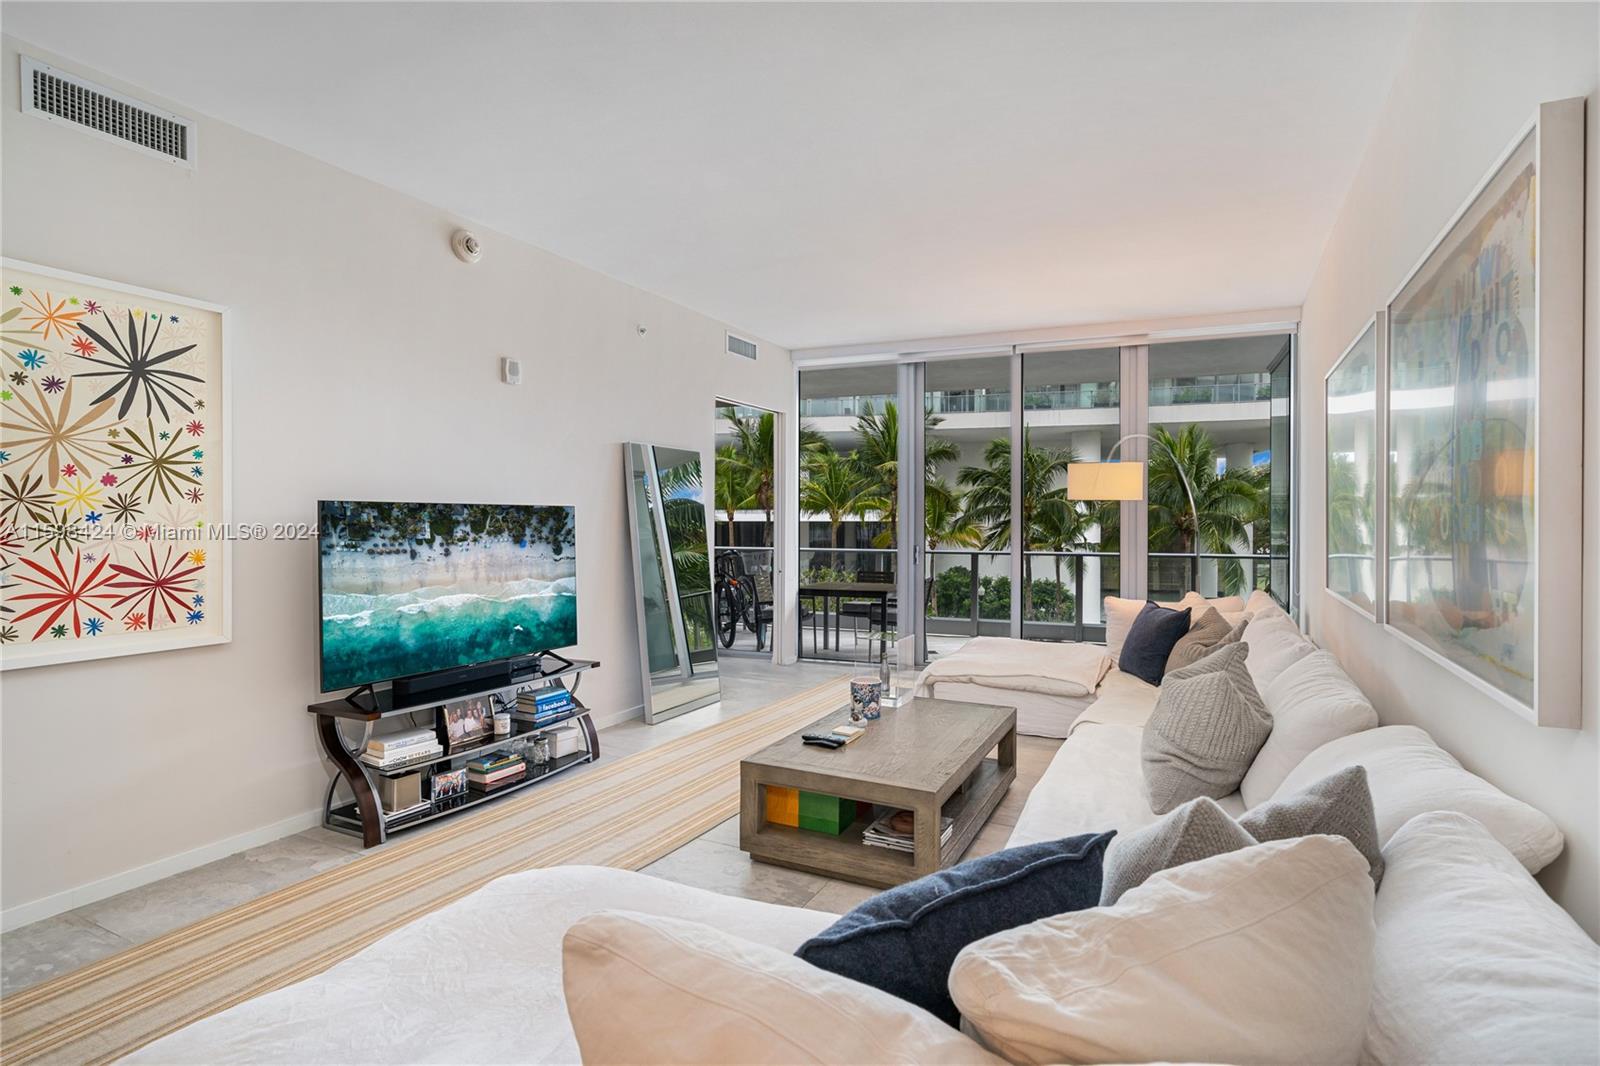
[1125, 480]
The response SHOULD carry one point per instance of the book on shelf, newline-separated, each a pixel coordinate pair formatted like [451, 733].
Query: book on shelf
[481, 784]
[407, 757]
[880, 835]
[411, 738]
[495, 760]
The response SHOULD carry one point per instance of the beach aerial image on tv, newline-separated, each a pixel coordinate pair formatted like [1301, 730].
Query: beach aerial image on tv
[409, 588]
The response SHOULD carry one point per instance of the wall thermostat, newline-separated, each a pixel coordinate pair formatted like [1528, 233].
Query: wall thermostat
[511, 371]
[466, 245]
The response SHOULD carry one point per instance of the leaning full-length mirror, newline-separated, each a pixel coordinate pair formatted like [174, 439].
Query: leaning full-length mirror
[671, 579]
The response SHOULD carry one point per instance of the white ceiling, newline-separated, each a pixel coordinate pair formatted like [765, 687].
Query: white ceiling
[819, 173]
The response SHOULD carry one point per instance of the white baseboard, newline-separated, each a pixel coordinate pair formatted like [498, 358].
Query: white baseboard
[605, 719]
[50, 906]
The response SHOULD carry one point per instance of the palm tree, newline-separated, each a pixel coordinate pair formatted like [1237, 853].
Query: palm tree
[1226, 503]
[877, 455]
[833, 486]
[945, 519]
[729, 489]
[1046, 510]
[754, 451]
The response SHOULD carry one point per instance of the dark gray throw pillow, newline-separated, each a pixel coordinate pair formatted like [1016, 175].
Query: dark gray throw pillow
[1338, 805]
[1197, 830]
[905, 940]
[1150, 641]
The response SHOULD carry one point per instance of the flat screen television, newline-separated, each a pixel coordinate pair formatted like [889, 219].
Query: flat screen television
[412, 589]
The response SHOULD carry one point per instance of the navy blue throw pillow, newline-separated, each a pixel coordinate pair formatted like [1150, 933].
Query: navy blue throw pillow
[1150, 641]
[905, 940]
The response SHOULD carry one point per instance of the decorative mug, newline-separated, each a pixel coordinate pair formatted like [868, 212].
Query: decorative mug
[866, 698]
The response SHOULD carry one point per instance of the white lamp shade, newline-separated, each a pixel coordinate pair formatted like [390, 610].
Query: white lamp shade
[1106, 481]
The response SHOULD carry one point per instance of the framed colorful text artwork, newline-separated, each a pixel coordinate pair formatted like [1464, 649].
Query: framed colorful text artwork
[113, 469]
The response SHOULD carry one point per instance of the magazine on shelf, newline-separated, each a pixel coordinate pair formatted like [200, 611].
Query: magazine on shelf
[879, 835]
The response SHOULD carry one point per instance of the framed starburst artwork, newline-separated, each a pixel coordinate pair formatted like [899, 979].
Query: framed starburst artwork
[114, 509]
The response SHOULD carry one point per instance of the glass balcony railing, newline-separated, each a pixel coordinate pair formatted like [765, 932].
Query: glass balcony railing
[1219, 388]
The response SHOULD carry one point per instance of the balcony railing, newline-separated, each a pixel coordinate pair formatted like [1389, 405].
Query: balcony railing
[1079, 397]
[1172, 574]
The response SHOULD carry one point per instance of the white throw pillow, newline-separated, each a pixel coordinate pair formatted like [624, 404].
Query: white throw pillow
[1259, 955]
[1275, 644]
[1410, 775]
[1312, 702]
[644, 988]
[1120, 613]
[1474, 963]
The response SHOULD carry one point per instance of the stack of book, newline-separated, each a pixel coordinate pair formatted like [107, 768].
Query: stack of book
[545, 704]
[402, 749]
[880, 835]
[495, 770]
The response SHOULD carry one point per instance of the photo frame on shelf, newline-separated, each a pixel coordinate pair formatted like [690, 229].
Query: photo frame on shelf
[1483, 524]
[468, 721]
[1352, 397]
[115, 484]
[448, 783]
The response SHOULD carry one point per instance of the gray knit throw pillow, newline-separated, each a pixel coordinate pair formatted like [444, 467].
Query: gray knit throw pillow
[1197, 830]
[1208, 723]
[1206, 634]
[1338, 805]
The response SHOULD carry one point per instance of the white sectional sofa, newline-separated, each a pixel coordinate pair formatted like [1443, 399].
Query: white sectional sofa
[1473, 962]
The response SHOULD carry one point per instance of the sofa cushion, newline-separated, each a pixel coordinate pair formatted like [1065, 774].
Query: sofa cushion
[1258, 955]
[1410, 775]
[1261, 601]
[1275, 644]
[1208, 631]
[1150, 641]
[642, 988]
[347, 1011]
[1311, 702]
[1338, 805]
[1120, 613]
[904, 940]
[1473, 962]
[1197, 830]
[1208, 724]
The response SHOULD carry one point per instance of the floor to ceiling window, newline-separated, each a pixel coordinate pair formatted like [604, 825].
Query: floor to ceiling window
[849, 465]
[744, 498]
[1211, 466]
[966, 499]
[1071, 413]
[1003, 549]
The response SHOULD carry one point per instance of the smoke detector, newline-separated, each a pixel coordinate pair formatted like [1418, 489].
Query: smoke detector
[466, 245]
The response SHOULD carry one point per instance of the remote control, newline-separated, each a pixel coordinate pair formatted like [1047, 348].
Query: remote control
[822, 740]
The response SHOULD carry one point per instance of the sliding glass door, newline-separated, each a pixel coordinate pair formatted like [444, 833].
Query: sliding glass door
[1071, 414]
[1212, 465]
[957, 522]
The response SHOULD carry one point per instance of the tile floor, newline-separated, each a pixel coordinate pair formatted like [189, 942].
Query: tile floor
[713, 861]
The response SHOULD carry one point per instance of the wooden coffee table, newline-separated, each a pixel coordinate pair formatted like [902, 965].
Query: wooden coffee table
[927, 756]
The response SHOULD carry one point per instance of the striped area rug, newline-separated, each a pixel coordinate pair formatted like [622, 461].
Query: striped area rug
[625, 813]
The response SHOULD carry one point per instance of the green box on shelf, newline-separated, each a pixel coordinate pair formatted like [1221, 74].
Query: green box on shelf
[826, 814]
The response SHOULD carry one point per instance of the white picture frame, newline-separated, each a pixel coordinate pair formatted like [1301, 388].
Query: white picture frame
[1352, 412]
[1501, 448]
[217, 515]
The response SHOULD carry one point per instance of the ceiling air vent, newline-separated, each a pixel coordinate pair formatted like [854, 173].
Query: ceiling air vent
[740, 346]
[56, 96]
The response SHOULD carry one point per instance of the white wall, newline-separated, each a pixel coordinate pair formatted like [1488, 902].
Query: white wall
[1473, 75]
[364, 361]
